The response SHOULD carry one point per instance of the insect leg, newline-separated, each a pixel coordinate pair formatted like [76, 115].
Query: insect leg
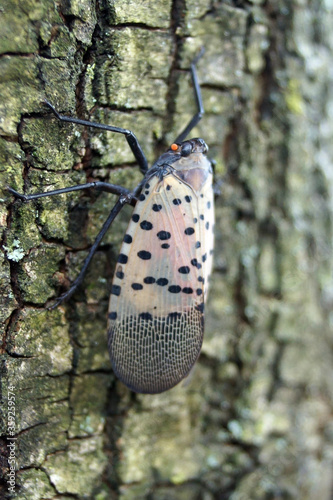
[102, 186]
[113, 214]
[130, 137]
[197, 94]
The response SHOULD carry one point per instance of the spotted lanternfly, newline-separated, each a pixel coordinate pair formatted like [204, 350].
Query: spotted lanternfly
[156, 311]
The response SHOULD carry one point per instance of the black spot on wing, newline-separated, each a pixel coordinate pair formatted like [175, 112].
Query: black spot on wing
[174, 289]
[184, 270]
[115, 290]
[200, 307]
[149, 280]
[156, 207]
[196, 264]
[165, 245]
[188, 231]
[137, 286]
[174, 315]
[176, 201]
[188, 198]
[187, 290]
[162, 281]
[144, 255]
[113, 315]
[146, 316]
[163, 235]
[146, 225]
[128, 238]
[122, 258]
[135, 217]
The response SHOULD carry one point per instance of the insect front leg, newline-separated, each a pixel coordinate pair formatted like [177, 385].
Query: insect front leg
[102, 186]
[129, 135]
[197, 94]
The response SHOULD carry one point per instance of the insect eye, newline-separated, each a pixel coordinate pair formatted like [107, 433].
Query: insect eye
[186, 149]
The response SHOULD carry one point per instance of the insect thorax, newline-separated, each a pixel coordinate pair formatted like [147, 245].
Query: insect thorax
[187, 161]
[194, 170]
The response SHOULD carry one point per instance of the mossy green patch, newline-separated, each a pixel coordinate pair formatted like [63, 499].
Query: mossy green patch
[76, 470]
[294, 98]
[20, 90]
[36, 484]
[35, 276]
[30, 336]
[88, 396]
[136, 77]
[52, 145]
[146, 12]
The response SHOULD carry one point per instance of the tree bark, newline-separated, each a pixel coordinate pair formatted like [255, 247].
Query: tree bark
[253, 421]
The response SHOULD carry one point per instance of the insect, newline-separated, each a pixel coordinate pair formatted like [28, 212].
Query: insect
[156, 311]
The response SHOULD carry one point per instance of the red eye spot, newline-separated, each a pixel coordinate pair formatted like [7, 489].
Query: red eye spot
[174, 147]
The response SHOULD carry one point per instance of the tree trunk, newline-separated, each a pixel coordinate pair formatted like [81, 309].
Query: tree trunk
[253, 421]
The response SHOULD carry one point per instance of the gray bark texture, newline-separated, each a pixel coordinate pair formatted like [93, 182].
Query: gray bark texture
[254, 419]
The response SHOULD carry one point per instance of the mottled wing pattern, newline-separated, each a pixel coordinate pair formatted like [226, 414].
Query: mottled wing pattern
[158, 292]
